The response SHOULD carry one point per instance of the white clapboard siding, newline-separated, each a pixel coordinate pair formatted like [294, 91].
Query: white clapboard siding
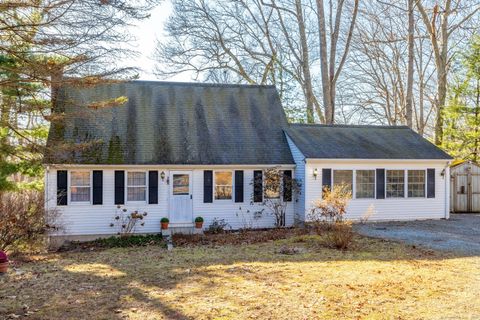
[87, 219]
[389, 208]
[299, 159]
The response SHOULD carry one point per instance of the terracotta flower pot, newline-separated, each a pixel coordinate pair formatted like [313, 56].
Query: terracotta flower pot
[3, 267]
[164, 225]
[198, 225]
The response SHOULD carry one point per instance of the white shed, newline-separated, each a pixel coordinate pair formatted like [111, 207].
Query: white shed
[465, 187]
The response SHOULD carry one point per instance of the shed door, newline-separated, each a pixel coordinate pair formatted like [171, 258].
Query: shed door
[466, 191]
[461, 192]
[475, 195]
[181, 197]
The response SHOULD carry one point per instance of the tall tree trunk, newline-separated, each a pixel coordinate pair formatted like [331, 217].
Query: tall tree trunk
[439, 42]
[440, 101]
[322, 33]
[309, 95]
[409, 98]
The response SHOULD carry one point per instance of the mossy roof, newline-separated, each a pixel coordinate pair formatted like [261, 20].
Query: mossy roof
[362, 142]
[170, 123]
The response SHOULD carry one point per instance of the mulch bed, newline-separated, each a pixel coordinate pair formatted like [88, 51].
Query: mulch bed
[185, 240]
[236, 237]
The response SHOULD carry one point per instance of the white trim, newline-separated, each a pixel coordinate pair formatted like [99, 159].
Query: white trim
[404, 184]
[69, 187]
[374, 184]
[424, 183]
[330, 160]
[333, 178]
[214, 185]
[171, 166]
[136, 202]
[170, 196]
[446, 177]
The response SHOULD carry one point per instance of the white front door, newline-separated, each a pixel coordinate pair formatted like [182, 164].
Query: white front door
[181, 197]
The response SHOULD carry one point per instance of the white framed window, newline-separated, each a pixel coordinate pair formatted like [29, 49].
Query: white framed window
[80, 186]
[416, 183]
[345, 178]
[395, 183]
[223, 185]
[136, 186]
[364, 184]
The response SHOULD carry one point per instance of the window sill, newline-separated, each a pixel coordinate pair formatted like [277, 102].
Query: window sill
[80, 203]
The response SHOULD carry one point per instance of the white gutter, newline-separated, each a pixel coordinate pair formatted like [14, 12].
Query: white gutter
[313, 160]
[447, 190]
[173, 166]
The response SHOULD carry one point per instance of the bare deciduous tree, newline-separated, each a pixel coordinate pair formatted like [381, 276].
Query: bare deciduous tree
[330, 70]
[441, 21]
[259, 41]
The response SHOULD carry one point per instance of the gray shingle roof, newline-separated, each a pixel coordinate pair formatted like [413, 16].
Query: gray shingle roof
[362, 142]
[171, 123]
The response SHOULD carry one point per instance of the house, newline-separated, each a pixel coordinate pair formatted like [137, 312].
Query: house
[465, 187]
[182, 150]
[393, 173]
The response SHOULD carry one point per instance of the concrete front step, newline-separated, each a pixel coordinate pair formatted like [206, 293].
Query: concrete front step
[181, 230]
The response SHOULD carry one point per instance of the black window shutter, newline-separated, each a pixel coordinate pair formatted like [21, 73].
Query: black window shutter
[152, 187]
[207, 186]
[430, 183]
[62, 185]
[380, 183]
[287, 185]
[119, 187]
[257, 186]
[326, 179]
[238, 185]
[97, 187]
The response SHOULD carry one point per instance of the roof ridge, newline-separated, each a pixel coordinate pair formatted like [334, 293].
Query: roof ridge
[348, 126]
[203, 84]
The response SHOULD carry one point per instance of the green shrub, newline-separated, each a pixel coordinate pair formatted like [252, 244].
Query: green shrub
[122, 242]
[164, 220]
[198, 219]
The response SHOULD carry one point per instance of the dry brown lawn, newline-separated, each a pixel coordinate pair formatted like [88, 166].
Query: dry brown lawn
[373, 280]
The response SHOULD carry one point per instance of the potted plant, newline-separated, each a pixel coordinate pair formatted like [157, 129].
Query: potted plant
[198, 222]
[3, 262]
[164, 222]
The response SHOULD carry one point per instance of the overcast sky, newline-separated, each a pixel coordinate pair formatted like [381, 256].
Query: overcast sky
[146, 34]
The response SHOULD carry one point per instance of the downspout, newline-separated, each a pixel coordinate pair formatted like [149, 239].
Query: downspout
[446, 176]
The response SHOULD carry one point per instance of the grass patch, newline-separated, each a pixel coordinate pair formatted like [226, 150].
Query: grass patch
[293, 274]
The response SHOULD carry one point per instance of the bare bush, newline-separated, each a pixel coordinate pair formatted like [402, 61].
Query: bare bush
[126, 223]
[23, 219]
[340, 235]
[328, 217]
[331, 208]
[218, 226]
[275, 185]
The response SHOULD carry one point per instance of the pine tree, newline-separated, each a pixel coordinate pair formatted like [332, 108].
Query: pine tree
[462, 114]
